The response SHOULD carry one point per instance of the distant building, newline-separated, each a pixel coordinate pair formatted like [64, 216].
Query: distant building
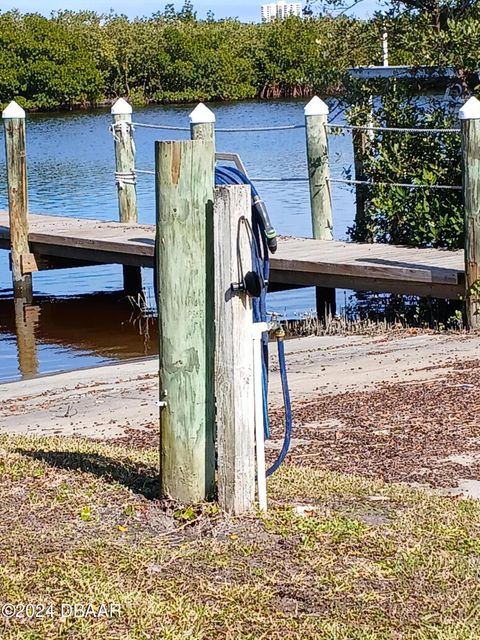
[280, 10]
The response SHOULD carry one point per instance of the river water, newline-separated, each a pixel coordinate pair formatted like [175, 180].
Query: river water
[79, 316]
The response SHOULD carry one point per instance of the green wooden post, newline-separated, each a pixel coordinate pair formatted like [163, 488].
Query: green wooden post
[16, 160]
[202, 123]
[126, 181]
[470, 126]
[184, 197]
[316, 119]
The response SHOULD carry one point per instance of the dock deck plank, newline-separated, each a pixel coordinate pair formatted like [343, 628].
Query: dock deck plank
[298, 261]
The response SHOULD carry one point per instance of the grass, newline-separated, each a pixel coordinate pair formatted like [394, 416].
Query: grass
[336, 557]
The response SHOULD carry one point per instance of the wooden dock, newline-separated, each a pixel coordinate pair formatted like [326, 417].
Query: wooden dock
[60, 242]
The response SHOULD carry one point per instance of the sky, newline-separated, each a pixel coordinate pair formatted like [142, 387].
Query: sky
[248, 10]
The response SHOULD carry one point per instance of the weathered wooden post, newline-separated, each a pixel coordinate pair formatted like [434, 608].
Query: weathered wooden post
[125, 178]
[234, 386]
[202, 123]
[234, 383]
[316, 120]
[470, 127]
[184, 197]
[16, 157]
[360, 144]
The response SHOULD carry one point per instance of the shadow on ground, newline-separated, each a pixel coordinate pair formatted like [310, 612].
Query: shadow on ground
[144, 481]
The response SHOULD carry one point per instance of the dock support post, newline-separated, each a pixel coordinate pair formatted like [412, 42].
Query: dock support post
[125, 179]
[16, 159]
[470, 127]
[360, 144]
[202, 123]
[184, 198]
[316, 119]
[234, 376]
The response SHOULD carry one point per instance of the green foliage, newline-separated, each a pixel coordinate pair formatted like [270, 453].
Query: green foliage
[44, 63]
[298, 57]
[86, 514]
[419, 217]
[75, 58]
[413, 41]
[83, 58]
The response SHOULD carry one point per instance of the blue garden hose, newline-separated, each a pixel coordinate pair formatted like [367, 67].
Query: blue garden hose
[287, 404]
[265, 240]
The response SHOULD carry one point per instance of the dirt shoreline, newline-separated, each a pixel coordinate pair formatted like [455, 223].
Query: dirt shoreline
[398, 406]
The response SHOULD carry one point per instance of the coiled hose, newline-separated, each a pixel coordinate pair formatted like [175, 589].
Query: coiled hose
[265, 241]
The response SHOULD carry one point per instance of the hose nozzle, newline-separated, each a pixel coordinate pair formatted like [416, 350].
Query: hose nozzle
[270, 233]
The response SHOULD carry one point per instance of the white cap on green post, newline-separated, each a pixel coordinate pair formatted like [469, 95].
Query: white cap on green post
[13, 110]
[470, 110]
[316, 107]
[121, 108]
[202, 115]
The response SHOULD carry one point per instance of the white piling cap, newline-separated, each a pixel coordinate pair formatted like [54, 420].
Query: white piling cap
[202, 115]
[316, 107]
[13, 110]
[470, 110]
[121, 108]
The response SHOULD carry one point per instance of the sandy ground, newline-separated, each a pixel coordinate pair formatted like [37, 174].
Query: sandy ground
[402, 407]
[106, 401]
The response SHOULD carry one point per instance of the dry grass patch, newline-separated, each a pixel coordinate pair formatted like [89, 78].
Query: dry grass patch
[359, 560]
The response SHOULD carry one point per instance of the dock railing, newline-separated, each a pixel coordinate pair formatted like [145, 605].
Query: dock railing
[317, 127]
[317, 130]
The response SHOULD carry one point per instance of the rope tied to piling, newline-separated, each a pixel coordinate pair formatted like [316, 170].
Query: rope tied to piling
[351, 127]
[124, 128]
[406, 185]
[123, 178]
[168, 127]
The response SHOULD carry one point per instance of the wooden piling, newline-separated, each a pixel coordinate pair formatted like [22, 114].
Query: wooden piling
[184, 198]
[235, 402]
[316, 119]
[470, 127]
[126, 181]
[16, 160]
[202, 123]
[360, 143]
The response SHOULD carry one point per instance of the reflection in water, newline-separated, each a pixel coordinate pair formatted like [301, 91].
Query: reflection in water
[71, 173]
[99, 327]
[26, 319]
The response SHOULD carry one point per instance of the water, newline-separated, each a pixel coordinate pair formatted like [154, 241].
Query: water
[70, 173]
